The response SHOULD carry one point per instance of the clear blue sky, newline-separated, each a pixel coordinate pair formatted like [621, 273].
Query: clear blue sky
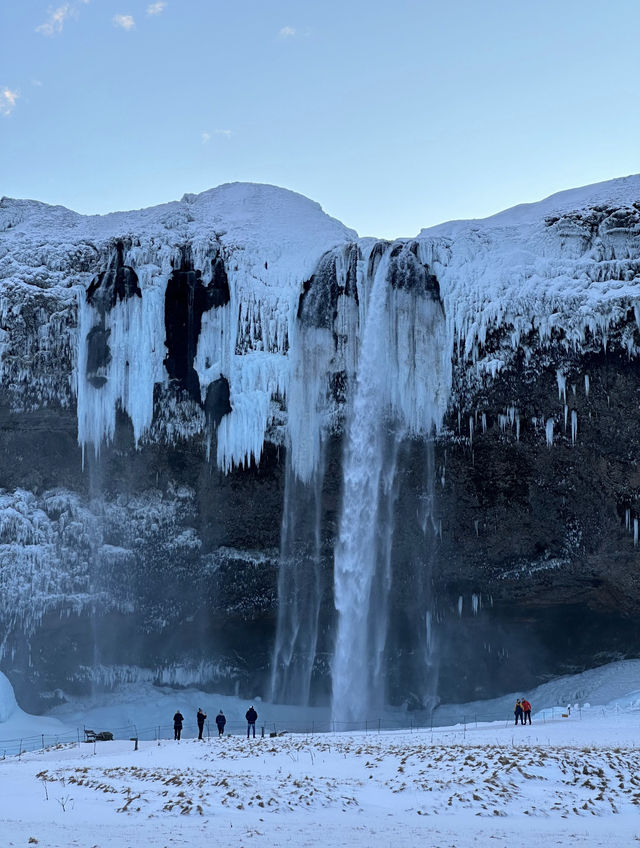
[392, 115]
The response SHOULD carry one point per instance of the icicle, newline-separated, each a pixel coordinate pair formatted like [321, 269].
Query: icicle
[562, 386]
[476, 603]
[470, 429]
[460, 602]
[635, 532]
[586, 385]
[484, 422]
[627, 519]
[549, 432]
[518, 428]
[566, 415]
[459, 421]
[574, 426]
[428, 625]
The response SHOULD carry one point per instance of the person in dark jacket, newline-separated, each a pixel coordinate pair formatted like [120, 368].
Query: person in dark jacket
[251, 716]
[526, 709]
[518, 711]
[200, 717]
[221, 721]
[177, 725]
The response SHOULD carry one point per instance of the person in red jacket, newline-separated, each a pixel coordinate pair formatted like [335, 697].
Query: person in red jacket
[526, 709]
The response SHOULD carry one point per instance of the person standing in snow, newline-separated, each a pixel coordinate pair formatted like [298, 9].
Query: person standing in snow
[200, 717]
[526, 709]
[221, 720]
[177, 725]
[251, 716]
[518, 712]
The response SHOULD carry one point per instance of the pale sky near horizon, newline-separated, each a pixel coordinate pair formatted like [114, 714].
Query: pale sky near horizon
[393, 116]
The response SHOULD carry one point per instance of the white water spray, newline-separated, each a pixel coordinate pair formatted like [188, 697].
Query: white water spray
[356, 553]
[402, 387]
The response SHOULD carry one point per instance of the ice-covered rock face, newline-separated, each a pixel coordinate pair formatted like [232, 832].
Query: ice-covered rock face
[160, 368]
[8, 703]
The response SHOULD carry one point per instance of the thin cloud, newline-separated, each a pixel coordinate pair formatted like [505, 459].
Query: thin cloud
[8, 99]
[125, 22]
[156, 8]
[207, 136]
[287, 32]
[57, 17]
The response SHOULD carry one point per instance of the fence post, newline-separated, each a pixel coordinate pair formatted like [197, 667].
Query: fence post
[313, 727]
[43, 741]
[366, 727]
[262, 733]
[378, 725]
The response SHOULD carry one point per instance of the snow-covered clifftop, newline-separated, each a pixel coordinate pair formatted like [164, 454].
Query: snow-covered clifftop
[264, 241]
[567, 266]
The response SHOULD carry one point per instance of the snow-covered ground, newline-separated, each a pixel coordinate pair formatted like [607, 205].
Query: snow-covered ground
[567, 778]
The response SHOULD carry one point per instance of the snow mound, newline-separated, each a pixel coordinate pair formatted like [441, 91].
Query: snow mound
[615, 193]
[8, 703]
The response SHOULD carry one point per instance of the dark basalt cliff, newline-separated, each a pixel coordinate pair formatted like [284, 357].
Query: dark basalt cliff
[155, 554]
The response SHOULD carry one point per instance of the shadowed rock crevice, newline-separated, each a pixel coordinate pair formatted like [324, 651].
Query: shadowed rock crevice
[98, 355]
[118, 282]
[318, 304]
[217, 404]
[186, 300]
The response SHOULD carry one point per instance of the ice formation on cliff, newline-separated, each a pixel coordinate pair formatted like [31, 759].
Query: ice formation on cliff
[320, 331]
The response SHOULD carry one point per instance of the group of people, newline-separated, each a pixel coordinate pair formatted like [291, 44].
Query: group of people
[522, 711]
[251, 716]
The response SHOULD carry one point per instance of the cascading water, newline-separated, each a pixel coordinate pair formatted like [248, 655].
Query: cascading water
[323, 332]
[299, 588]
[401, 390]
[356, 663]
[300, 574]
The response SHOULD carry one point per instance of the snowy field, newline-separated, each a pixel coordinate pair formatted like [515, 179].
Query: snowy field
[573, 779]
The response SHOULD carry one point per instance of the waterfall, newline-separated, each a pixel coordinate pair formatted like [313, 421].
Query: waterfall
[401, 391]
[299, 588]
[370, 323]
[357, 567]
[299, 575]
